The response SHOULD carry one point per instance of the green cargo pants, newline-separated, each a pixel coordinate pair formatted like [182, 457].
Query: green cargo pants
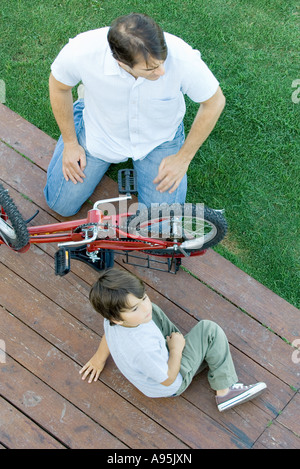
[205, 345]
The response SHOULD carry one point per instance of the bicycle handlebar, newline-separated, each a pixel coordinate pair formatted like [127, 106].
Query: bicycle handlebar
[115, 199]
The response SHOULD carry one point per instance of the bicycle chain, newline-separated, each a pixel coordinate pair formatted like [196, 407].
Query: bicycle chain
[79, 228]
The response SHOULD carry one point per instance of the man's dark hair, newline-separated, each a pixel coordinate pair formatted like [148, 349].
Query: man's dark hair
[134, 36]
[109, 294]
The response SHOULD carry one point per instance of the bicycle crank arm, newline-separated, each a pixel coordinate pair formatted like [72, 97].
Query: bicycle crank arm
[182, 251]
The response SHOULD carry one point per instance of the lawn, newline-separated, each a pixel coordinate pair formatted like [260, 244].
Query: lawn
[250, 164]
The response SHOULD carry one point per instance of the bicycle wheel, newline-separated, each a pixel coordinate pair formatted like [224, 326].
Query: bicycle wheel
[13, 229]
[193, 227]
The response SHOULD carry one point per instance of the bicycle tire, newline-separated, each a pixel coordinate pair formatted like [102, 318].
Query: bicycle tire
[143, 222]
[13, 231]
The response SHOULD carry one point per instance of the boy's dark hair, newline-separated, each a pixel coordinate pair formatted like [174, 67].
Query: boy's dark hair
[109, 294]
[136, 35]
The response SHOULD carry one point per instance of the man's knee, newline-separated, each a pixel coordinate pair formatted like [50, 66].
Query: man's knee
[59, 206]
[64, 211]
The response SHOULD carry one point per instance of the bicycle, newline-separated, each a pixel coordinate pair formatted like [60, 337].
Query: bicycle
[163, 231]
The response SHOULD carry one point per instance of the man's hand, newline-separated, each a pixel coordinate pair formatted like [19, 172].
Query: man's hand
[170, 173]
[74, 162]
[74, 158]
[173, 167]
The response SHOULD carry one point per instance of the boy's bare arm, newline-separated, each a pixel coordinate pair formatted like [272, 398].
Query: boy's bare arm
[96, 364]
[176, 343]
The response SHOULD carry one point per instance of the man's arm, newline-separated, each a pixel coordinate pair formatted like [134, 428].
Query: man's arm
[96, 364]
[173, 167]
[176, 343]
[74, 159]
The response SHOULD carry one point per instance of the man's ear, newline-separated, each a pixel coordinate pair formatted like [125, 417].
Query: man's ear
[124, 66]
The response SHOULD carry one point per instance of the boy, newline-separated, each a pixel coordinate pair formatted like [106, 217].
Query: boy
[152, 353]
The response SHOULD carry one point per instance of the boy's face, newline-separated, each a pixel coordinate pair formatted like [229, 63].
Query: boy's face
[138, 312]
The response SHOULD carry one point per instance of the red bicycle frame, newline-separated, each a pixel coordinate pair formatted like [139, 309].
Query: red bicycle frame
[64, 232]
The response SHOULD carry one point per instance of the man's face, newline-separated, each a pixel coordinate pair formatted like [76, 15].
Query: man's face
[151, 71]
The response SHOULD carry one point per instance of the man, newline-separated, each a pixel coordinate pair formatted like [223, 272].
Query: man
[135, 77]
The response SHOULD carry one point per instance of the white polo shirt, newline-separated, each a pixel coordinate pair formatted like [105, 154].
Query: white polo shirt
[142, 356]
[126, 117]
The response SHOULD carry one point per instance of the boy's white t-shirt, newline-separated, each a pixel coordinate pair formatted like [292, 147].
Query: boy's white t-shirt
[124, 117]
[142, 356]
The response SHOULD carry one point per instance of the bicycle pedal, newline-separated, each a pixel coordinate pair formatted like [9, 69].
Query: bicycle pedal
[62, 262]
[127, 181]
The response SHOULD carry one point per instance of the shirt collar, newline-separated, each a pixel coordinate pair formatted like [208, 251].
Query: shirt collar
[111, 66]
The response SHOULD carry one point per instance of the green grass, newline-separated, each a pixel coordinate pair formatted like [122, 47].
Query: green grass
[250, 163]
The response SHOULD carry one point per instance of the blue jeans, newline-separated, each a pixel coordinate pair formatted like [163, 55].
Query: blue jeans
[66, 198]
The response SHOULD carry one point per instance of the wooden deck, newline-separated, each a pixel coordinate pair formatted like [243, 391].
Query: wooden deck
[49, 331]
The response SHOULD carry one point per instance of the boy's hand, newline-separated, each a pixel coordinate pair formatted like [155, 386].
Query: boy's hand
[93, 368]
[176, 341]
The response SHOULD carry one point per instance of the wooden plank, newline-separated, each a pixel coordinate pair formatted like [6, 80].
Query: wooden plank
[29, 179]
[43, 405]
[246, 293]
[277, 436]
[24, 137]
[19, 432]
[290, 416]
